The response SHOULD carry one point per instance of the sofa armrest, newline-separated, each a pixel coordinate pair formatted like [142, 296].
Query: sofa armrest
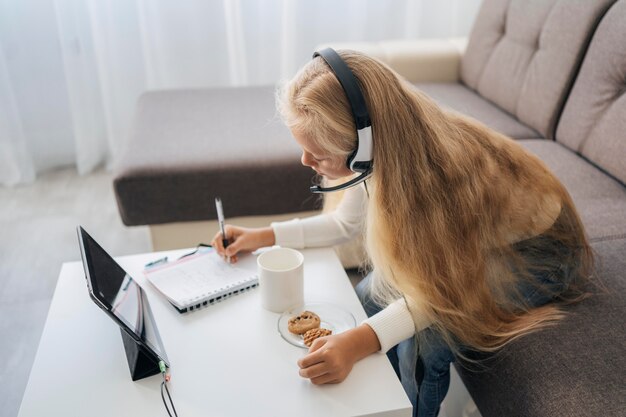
[417, 60]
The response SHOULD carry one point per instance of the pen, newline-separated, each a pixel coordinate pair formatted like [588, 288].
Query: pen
[157, 262]
[220, 220]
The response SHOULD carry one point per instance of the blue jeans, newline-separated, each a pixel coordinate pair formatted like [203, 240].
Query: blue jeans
[430, 370]
[425, 373]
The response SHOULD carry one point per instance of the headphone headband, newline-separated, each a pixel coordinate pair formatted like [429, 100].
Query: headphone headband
[350, 85]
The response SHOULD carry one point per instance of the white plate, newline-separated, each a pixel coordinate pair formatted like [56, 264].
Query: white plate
[332, 317]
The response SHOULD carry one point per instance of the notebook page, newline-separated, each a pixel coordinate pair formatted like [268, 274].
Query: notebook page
[201, 275]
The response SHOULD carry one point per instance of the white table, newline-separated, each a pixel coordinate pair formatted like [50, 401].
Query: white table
[227, 359]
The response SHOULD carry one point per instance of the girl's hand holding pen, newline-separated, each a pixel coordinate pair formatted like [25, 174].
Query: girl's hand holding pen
[242, 239]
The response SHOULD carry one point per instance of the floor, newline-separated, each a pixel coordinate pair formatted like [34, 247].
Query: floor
[37, 234]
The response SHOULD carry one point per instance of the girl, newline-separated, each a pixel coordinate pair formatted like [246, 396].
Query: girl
[472, 241]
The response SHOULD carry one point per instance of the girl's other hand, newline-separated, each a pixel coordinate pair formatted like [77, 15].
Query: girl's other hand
[331, 358]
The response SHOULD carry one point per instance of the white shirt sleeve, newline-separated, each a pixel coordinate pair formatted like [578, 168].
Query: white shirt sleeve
[394, 324]
[329, 229]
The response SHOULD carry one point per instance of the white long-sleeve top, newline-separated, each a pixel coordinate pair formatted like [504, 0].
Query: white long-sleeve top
[394, 323]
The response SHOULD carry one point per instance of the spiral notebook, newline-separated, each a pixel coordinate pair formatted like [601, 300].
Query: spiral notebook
[202, 279]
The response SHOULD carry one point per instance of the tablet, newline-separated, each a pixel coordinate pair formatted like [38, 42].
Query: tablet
[115, 292]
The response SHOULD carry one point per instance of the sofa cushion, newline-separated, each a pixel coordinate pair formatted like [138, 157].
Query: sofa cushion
[522, 55]
[600, 200]
[458, 97]
[189, 146]
[594, 118]
[575, 368]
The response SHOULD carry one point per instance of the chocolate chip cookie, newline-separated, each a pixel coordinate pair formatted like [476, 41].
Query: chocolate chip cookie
[303, 322]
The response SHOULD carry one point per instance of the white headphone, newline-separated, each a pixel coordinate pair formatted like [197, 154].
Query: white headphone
[361, 160]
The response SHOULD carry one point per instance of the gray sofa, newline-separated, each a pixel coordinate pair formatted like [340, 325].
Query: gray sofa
[576, 368]
[551, 74]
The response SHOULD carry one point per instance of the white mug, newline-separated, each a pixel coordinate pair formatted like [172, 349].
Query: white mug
[281, 279]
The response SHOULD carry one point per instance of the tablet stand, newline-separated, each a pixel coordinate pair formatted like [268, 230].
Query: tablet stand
[141, 362]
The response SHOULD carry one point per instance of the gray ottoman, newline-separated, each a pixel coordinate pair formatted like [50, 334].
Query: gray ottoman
[188, 146]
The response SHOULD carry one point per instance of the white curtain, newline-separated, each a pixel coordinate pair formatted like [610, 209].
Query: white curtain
[71, 70]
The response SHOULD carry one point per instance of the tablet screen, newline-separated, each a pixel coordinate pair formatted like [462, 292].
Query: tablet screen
[119, 294]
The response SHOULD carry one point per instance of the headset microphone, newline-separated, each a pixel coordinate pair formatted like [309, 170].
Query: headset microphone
[361, 160]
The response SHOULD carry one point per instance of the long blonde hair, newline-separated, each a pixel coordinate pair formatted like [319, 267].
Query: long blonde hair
[451, 204]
